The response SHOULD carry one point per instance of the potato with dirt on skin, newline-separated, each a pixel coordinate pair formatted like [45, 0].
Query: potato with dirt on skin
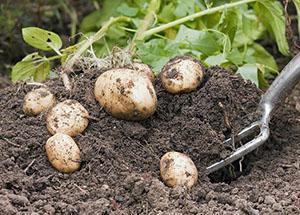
[181, 75]
[68, 117]
[38, 101]
[144, 69]
[126, 94]
[177, 169]
[63, 153]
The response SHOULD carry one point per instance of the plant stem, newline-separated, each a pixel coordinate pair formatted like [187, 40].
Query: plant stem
[193, 16]
[55, 57]
[145, 24]
[88, 42]
[134, 31]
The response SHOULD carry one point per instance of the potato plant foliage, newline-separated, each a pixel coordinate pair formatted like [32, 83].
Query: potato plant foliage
[217, 32]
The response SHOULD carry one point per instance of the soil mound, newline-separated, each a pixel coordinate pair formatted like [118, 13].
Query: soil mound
[120, 159]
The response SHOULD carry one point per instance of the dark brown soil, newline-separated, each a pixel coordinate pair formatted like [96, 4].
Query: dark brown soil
[120, 159]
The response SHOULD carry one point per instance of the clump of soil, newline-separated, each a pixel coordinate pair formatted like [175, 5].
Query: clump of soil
[120, 159]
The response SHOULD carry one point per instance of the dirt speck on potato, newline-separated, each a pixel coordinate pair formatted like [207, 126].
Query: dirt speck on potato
[68, 117]
[131, 98]
[63, 153]
[172, 74]
[181, 74]
[38, 101]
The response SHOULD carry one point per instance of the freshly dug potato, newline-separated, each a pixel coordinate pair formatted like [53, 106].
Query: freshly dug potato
[297, 106]
[181, 75]
[126, 94]
[177, 169]
[38, 101]
[68, 117]
[63, 153]
[144, 69]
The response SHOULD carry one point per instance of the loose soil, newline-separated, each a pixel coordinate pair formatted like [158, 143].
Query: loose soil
[120, 159]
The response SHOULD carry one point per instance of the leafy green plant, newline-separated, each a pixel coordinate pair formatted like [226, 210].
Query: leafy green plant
[297, 5]
[34, 65]
[217, 32]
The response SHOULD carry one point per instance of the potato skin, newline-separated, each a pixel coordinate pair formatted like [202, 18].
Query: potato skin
[63, 153]
[144, 69]
[177, 169]
[126, 94]
[38, 101]
[181, 75]
[68, 117]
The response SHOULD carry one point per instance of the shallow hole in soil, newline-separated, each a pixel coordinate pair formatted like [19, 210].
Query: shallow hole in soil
[231, 172]
[238, 168]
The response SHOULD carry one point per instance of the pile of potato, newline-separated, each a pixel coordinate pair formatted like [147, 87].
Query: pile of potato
[125, 93]
[64, 120]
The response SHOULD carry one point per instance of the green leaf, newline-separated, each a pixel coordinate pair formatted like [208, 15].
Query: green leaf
[42, 71]
[270, 12]
[141, 4]
[215, 60]
[257, 54]
[263, 84]
[115, 33]
[202, 41]
[32, 57]
[41, 39]
[157, 52]
[32, 66]
[94, 20]
[249, 72]
[229, 23]
[89, 22]
[125, 10]
[264, 61]
[108, 10]
[22, 71]
[210, 21]
[251, 26]
[225, 41]
[167, 13]
[236, 57]
[297, 5]
[184, 8]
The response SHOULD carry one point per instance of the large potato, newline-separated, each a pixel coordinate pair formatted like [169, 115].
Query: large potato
[126, 94]
[68, 117]
[63, 153]
[38, 101]
[181, 74]
[144, 69]
[177, 169]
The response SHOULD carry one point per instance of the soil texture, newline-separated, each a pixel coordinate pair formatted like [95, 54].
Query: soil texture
[120, 159]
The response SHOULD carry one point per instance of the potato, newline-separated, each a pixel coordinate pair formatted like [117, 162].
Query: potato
[126, 94]
[63, 153]
[181, 75]
[68, 117]
[297, 106]
[38, 101]
[177, 169]
[144, 69]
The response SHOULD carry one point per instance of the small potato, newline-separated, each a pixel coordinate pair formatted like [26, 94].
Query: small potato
[177, 169]
[63, 153]
[68, 117]
[181, 75]
[38, 101]
[297, 106]
[144, 69]
[126, 94]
